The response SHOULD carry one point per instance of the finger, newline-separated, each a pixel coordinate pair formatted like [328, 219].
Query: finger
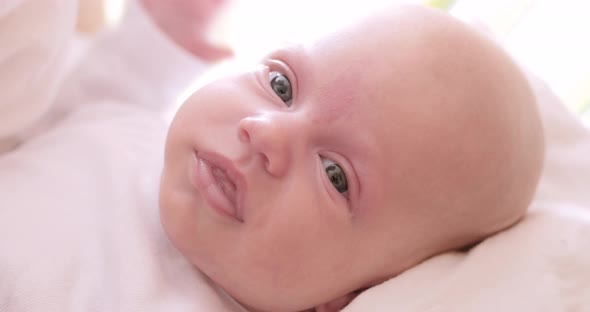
[209, 52]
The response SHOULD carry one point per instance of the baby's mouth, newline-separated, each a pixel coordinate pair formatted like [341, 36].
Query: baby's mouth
[219, 182]
[228, 187]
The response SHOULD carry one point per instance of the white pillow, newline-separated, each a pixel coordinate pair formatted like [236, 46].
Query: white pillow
[566, 175]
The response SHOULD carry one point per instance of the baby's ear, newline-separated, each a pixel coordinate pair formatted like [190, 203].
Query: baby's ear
[337, 304]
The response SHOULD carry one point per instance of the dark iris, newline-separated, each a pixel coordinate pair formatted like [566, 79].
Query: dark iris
[282, 87]
[337, 177]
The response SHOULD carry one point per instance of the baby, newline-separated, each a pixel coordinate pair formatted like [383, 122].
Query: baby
[336, 165]
[328, 168]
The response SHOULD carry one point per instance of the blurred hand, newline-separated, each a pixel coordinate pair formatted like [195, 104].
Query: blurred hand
[187, 23]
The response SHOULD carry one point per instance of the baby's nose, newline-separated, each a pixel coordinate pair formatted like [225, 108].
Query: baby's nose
[269, 139]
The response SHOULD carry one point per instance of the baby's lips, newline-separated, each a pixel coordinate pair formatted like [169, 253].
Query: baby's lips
[229, 188]
[230, 179]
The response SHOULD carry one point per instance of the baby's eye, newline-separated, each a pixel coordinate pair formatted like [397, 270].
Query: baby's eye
[335, 175]
[281, 85]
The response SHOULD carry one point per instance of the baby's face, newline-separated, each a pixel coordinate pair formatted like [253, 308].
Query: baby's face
[314, 174]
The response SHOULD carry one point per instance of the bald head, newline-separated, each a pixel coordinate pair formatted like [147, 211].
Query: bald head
[449, 123]
[455, 131]
[467, 143]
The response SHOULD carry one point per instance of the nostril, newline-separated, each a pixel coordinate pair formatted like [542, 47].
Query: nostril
[266, 162]
[244, 136]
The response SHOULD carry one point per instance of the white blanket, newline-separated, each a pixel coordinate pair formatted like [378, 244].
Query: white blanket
[80, 157]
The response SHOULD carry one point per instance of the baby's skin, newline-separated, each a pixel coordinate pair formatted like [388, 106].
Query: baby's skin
[187, 23]
[335, 165]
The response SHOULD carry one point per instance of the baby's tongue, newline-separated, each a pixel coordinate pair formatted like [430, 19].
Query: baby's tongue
[225, 184]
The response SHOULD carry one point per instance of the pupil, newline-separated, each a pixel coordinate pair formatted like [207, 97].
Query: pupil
[337, 178]
[282, 87]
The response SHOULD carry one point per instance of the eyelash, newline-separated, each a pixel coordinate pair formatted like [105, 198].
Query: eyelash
[276, 78]
[283, 69]
[328, 184]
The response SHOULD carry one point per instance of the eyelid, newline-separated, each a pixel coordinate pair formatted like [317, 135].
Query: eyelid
[283, 68]
[351, 177]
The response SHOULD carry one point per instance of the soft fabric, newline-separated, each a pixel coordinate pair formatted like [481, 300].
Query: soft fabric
[32, 48]
[79, 226]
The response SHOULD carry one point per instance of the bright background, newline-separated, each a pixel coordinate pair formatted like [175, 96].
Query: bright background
[551, 37]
